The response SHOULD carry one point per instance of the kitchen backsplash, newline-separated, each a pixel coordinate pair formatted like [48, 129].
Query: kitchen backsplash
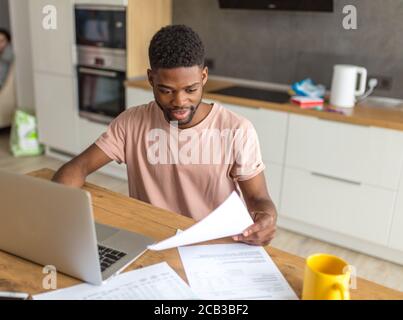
[282, 47]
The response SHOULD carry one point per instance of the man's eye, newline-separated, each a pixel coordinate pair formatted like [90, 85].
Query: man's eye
[164, 91]
[191, 90]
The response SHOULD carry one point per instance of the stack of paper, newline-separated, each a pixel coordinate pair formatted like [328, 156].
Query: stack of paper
[234, 271]
[156, 282]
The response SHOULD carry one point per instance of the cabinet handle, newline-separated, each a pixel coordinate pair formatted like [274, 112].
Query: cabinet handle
[317, 174]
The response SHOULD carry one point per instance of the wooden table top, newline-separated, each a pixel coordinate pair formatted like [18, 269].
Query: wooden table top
[111, 208]
[361, 114]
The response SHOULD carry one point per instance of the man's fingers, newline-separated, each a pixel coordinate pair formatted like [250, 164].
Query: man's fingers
[259, 233]
[256, 227]
[257, 242]
[262, 237]
[255, 236]
[262, 222]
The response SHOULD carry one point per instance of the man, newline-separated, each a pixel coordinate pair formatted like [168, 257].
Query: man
[6, 55]
[182, 154]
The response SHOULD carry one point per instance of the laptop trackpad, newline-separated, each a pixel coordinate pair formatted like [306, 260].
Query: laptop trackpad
[122, 240]
[104, 232]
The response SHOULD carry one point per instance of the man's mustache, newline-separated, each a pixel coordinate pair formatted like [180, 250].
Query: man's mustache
[182, 108]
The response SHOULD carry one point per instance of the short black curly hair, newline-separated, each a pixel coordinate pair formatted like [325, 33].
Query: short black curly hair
[176, 46]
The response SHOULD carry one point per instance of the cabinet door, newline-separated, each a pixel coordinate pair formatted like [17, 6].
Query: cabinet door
[356, 210]
[370, 155]
[136, 97]
[271, 128]
[89, 132]
[53, 49]
[57, 112]
[396, 234]
[273, 175]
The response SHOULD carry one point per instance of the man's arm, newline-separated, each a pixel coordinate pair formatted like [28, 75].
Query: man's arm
[262, 210]
[74, 172]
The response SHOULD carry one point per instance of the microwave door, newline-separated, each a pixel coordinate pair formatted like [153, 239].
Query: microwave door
[101, 26]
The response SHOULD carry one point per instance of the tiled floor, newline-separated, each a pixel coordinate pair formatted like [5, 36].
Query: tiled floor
[377, 270]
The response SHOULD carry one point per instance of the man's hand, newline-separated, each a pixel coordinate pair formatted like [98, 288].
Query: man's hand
[262, 211]
[262, 232]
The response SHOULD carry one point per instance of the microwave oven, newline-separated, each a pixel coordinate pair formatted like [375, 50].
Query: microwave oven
[101, 26]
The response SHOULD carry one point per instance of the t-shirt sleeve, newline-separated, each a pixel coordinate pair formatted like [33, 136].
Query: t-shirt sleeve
[113, 141]
[248, 161]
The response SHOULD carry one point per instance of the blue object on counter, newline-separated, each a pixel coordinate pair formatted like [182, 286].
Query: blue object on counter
[308, 88]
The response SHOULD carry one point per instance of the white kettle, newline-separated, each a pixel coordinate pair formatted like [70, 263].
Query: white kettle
[344, 85]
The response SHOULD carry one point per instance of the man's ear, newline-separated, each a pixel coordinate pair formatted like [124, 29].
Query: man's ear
[204, 75]
[150, 77]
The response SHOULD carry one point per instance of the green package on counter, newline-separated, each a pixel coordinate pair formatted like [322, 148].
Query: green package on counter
[24, 135]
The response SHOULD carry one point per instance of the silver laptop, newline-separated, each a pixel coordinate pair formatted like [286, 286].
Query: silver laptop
[52, 224]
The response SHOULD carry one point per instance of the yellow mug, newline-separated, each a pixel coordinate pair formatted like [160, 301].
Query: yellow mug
[326, 277]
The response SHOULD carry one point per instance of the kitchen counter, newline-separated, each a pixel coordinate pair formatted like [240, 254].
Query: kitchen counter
[360, 115]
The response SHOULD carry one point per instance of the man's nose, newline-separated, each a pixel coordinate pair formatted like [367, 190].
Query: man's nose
[179, 99]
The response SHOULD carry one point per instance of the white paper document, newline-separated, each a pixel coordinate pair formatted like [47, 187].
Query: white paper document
[234, 271]
[229, 219]
[156, 282]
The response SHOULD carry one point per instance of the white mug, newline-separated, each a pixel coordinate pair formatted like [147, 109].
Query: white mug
[344, 85]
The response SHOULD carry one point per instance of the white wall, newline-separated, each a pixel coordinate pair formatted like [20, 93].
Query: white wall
[20, 26]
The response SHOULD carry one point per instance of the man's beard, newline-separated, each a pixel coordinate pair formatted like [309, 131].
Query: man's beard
[187, 120]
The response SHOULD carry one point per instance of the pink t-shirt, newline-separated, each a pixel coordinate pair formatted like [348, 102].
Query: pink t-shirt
[188, 171]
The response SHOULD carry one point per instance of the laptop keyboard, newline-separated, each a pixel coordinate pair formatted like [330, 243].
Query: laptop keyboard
[108, 256]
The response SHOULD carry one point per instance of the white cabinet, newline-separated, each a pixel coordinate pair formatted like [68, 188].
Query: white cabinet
[53, 49]
[362, 154]
[271, 128]
[57, 113]
[89, 132]
[137, 96]
[273, 175]
[343, 179]
[54, 76]
[356, 210]
[396, 234]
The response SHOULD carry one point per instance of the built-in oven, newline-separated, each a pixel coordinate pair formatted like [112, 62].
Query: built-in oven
[101, 93]
[101, 60]
[102, 26]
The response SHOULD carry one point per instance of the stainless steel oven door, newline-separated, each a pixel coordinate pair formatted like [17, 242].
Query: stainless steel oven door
[101, 93]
